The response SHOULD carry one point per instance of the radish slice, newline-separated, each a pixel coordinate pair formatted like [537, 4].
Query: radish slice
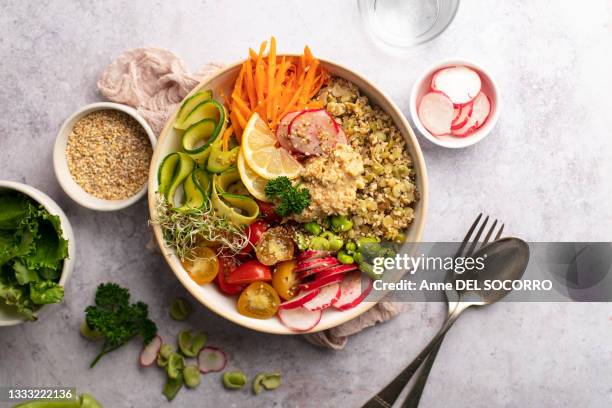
[319, 283]
[300, 299]
[312, 254]
[313, 132]
[282, 130]
[325, 298]
[481, 107]
[350, 291]
[336, 270]
[316, 263]
[464, 114]
[211, 359]
[436, 112]
[300, 319]
[461, 84]
[148, 355]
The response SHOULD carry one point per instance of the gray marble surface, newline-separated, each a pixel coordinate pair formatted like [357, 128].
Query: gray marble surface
[545, 171]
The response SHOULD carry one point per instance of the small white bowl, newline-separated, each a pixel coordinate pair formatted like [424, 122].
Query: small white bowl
[489, 87]
[60, 163]
[8, 314]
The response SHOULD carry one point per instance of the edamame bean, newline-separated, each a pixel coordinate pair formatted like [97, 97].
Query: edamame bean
[180, 309]
[191, 375]
[350, 247]
[313, 228]
[340, 223]
[319, 243]
[358, 257]
[270, 381]
[190, 345]
[234, 380]
[345, 258]
[335, 242]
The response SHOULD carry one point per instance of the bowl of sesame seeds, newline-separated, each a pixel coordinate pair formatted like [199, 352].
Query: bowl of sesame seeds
[102, 155]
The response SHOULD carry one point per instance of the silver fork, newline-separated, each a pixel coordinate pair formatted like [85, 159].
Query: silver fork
[387, 396]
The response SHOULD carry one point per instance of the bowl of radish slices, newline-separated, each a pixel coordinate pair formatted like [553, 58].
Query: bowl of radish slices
[455, 103]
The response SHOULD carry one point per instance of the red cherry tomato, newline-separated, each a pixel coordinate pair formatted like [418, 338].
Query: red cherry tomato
[227, 265]
[254, 231]
[268, 211]
[248, 272]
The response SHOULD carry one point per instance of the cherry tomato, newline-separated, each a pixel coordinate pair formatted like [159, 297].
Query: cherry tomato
[254, 231]
[274, 246]
[268, 211]
[204, 267]
[285, 279]
[258, 300]
[227, 265]
[248, 272]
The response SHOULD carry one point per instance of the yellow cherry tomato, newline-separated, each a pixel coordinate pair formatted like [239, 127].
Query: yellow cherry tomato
[284, 279]
[258, 300]
[204, 267]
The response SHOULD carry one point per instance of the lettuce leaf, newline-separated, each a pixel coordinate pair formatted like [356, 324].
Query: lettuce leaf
[45, 292]
[13, 209]
[23, 274]
[16, 296]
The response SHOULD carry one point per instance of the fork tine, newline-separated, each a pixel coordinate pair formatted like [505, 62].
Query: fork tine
[498, 236]
[466, 239]
[477, 237]
[488, 236]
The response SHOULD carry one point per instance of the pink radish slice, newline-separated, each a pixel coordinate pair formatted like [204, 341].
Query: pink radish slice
[148, 355]
[350, 291]
[319, 283]
[312, 132]
[300, 319]
[300, 299]
[325, 298]
[436, 113]
[282, 130]
[456, 112]
[316, 263]
[481, 107]
[336, 270]
[464, 114]
[461, 84]
[211, 359]
[312, 254]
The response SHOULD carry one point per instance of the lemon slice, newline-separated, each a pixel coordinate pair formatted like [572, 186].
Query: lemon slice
[262, 155]
[251, 180]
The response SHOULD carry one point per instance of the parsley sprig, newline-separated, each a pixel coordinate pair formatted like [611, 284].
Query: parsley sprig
[290, 199]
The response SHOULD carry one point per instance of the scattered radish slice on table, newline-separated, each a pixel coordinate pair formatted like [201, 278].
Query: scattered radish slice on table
[148, 355]
[300, 319]
[300, 299]
[481, 107]
[211, 359]
[328, 295]
[436, 112]
[351, 293]
[461, 84]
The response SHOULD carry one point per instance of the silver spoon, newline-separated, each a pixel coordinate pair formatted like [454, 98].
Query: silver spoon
[506, 259]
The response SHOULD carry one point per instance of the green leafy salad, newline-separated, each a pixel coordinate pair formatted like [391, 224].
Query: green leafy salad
[32, 253]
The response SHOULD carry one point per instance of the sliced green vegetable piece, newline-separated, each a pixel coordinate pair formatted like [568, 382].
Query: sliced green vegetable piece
[180, 309]
[89, 333]
[270, 381]
[184, 168]
[188, 105]
[87, 401]
[203, 181]
[237, 208]
[200, 135]
[208, 109]
[194, 197]
[201, 158]
[165, 173]
[176, 362]
[173, 386]
[191, 344]
[234, 380]
[164, 354]
[221, 160]
[191, 375]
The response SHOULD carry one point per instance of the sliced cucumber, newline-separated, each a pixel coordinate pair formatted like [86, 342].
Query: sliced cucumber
[220, 160]
[202, 180]
[201, 158]
[237, 208]
[209, 109]
[188, 105]
[200, 135]
[194, 197]
[165, 173]
[184, 168]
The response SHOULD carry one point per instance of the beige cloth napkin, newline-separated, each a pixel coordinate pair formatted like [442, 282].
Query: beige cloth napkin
[154, 81]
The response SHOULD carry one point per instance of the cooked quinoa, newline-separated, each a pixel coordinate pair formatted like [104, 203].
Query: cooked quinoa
[384, 207]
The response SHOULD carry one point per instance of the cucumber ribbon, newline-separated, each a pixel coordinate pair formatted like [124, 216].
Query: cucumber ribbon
[238, 208]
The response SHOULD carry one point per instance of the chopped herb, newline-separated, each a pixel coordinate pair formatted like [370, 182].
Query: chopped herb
[290, 199]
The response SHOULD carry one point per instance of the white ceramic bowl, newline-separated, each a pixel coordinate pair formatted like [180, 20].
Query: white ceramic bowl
[208, 294]
[8, 314]
[422, 86]
[60, 164]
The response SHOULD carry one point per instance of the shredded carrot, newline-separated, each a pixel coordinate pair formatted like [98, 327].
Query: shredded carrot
[226, 137]
[273, 86]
